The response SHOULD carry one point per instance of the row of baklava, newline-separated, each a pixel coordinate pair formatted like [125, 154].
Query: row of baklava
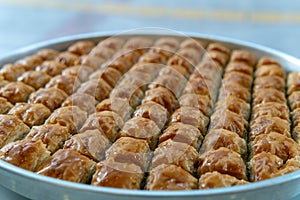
[140, 133]
[224, 147]
[273, 152]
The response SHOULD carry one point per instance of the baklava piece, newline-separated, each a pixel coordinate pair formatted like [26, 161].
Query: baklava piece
[179, 60]
[99, 88]
[268, 95]
[240, 79]
[201, 102]
[11, 129]
[49, 97]
[183, 133]
[110, 75]
[129, 175]
[243, 56]
[30, 62]
[102, 52]
[270, 70]
[68, 84]
[117, 105]
[80, 72]
[148, 68]
[52, 67]
[16, 92]
[91, 143]
[52, 135]
[191, 55]
[81, 47]
[217, 138]
[5, 105]
[275, 82]
[217, 180]
[119, 63]
[133, 94]
[68, 165]
[114, 43]
[11, 72]
[176, 153]
[170, 177]
[35, 79]
[191, 43]
[30, 114]
[234, 89]
[239, 67]
[84, 101]
[47, 54]
[294, 100]
[141, 128]
[167, 41]
[208, 70]
[71, 116]
[67, 58]
[139, 44]
[224, 161]
[27, 154]
[152, 57]
[153, 111]
[130, 150]
[192, 116]
[93, 62]
[107, 122]
[271, 109]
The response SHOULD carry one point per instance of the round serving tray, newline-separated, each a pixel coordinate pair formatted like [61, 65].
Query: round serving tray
[35, 186]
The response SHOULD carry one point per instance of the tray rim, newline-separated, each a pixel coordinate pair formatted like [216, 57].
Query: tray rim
[8, 168]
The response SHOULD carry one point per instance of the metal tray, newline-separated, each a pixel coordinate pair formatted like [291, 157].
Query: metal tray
[35, 186]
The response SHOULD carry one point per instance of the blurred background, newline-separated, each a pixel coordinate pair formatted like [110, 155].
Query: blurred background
[271, 23]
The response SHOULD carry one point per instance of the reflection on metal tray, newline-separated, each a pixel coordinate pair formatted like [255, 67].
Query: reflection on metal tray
[35, 186]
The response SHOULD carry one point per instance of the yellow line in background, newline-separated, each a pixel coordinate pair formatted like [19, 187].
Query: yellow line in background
[181, 13]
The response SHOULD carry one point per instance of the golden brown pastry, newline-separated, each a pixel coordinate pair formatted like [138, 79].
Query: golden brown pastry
[11, 129]
[35, 79]
[91, 143]
[239, 78]
[191, 43]
[120, 63]
[270, 70]
[217, 180]
[110, 75]
[81, 47]
[71, 116]
[80, 72]
[201, 102]
[176, 153]
[266, 60]
[224, 161]
[265, 95]
[11, 72]
[99, 88]
[192, 116]
[234, 89]
[130, 150]
[30, 114]
[170, 177]
[52, 135]
[192, 55]
[293, 79]
[216, 56]
[67, 58]
[141, 128]
[102, 52]
[117, 105]
[47, 54]
[93, 62]
[68, 165]
[168, 41]
[243, 56]
[16, 92]
[174, 84]
[114, 43]
[107, 122]
[84, 101]
[27, 154]
[271, 109]
[269, 82]
[51, 67]
[163, 50]
[294, 100]
[217, 138]
[30, 62]
[50, 97]
[152, 57]
[129, 175]
[135, 80]
[153, 111]
[179, 60]
[5, 105]
[148, 68]
[239, 67]
[67, 83]
[267, 124]
[138, 43]
[133, 94]
[219, 48]
[183, 133]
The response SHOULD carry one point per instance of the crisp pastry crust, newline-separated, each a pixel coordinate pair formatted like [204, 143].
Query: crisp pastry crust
[71, 116]
[99, 88]
[102, 52]
[30, 62]
[239, 67]
[268, 95]
[16, 92]
[167, 41]
[81, 47]
[152, 57]
[35, 79]
[31, 114]
[131, 93]
[110, 75]
[47, 54]
[52, 135]
[67, 83]
[128, 175]
[192, 44]
[201, 102]
[215, 160]
[176, 153]
[91, 143]
[271, 109]
[11, 72]
[51, 67]
[170, 177]
[130, 150]
[141, 128]
[269, 82]
[91, 61]
[217, 180]
[80, 72]
[243, 56]
[294, 100]
[27, 154]
[84, 101]
[107, 122]
[270, 70]
[240, 79]
[114, 43]
[135, 80]
[11, 129]
[5, 105]
[67, 58]
[52, 97]
[217, 138]
[68, 165]
[234, 89]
